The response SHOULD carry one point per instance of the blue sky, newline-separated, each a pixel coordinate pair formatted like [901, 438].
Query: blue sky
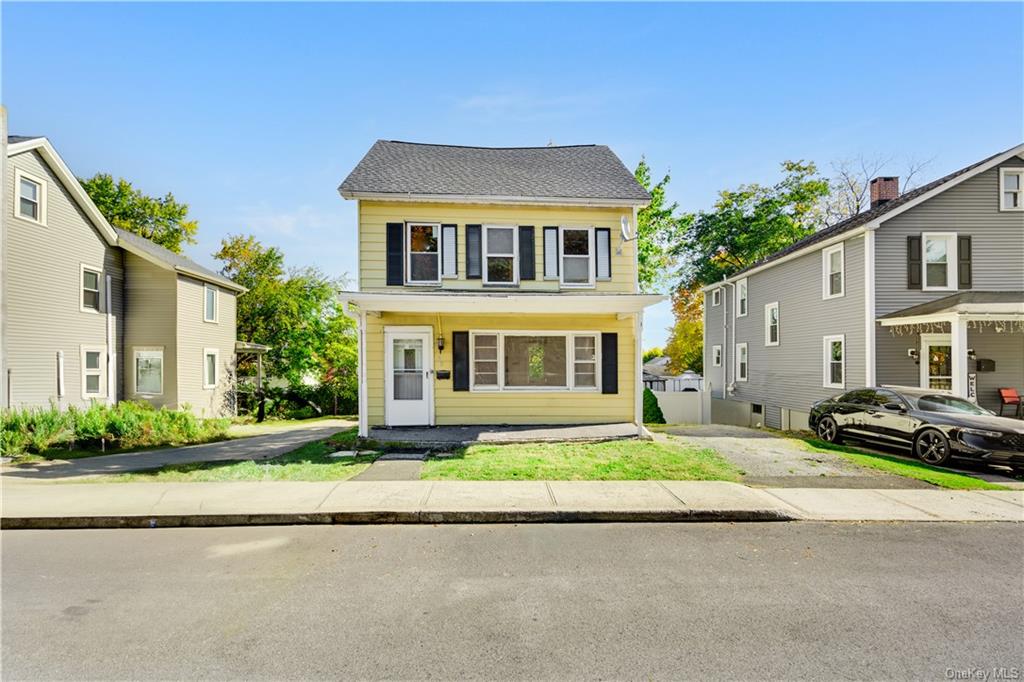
[253, 113]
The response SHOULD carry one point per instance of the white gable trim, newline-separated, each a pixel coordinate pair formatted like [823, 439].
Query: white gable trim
[492, 199]
[68, 179]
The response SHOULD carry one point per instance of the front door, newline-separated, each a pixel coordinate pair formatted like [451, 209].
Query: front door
[408, 367]
[936, 362]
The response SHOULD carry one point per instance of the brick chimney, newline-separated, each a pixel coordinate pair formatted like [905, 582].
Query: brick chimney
[884, 189]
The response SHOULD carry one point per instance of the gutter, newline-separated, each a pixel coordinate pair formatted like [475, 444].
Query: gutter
[494, 199]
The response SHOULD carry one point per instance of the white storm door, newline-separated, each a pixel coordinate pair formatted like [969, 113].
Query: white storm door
[408, 377]
[936, 361]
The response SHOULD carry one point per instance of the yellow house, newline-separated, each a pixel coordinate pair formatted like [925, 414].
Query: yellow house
[497, 286]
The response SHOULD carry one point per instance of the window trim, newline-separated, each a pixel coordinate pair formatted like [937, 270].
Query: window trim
[952, 259]
[570, 361]
[826, 360]
[19, 175]
[778, 325]
[1011, 170]
[746, 353]
[407, 248]
[826, 253]
[215, 352]
[484, 255]
[216, 303]
[746, 298]
[591, 258]
[100, 371]
[716, 355]
[99, 290]
[135, 369]
[716, 297]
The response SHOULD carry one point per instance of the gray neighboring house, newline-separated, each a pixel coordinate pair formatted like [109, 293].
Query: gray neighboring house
[93, 313]
[924, 289]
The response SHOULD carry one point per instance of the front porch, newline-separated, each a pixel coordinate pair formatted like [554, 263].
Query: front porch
[970, 344]
[448, 436]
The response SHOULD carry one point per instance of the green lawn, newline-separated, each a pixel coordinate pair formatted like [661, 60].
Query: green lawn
[623, 460]
[307, 463]
[901, 466]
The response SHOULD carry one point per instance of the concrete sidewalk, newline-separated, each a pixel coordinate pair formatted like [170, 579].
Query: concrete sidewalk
[67, 505]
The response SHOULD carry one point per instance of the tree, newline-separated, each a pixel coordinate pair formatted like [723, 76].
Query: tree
[658, 228]
[752, 222]
[160, 219]
[851, 181]
[294, 312]
[652, 353]
[685, 347]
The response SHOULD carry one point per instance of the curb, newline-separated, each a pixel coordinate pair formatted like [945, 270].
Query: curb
[392, 517]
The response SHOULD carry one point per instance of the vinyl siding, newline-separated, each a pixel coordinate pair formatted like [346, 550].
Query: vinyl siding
[970, 208]
[42, 290]
[790, 375]
[715, 377]
[468, 407]
[150, 295]
[193, 336]
[374, 216]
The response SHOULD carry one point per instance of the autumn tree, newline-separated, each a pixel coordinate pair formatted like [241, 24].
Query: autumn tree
[685, 347]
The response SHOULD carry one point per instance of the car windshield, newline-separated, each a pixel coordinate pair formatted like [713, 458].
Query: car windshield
[948, 403]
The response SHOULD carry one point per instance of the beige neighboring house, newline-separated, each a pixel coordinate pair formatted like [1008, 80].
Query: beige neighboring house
[93, 313]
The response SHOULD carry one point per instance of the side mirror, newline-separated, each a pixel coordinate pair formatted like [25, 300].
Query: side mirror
[894, 407]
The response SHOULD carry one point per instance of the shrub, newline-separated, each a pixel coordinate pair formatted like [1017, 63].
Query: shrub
[48, 426]
[15, 435]
[652, 411]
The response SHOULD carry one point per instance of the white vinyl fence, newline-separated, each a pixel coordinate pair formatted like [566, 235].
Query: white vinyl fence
[685, 407]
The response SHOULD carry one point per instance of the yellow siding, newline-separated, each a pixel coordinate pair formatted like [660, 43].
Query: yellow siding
[468, 407]
[374, 216]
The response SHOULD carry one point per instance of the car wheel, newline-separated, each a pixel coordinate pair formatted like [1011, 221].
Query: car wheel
[828, 430]
[932, 447]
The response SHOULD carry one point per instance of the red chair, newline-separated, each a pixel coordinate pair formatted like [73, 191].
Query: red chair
[1010, 396]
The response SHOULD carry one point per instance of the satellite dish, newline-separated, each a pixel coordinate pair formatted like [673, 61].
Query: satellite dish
[626, 235]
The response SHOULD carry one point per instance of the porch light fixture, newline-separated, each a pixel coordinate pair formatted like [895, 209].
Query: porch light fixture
[971, 355]
[440, 344]
[912, 353]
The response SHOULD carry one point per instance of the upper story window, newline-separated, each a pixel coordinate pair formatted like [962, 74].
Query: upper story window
[91, 278]
[1011, 189]
[833, 272]
[939, 261]
[209, 303]
[716, 297]
[31, 204]
[576, 244]
[423, 252]
[771, 324]
[501, 254]
[741, 298]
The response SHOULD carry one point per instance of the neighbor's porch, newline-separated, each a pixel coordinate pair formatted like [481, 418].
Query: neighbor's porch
[971, 344]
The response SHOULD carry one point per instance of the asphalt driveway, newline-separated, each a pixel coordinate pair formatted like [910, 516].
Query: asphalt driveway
[273, 442]
[767, 459]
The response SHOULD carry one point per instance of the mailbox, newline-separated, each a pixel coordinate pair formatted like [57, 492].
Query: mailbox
[985, 365]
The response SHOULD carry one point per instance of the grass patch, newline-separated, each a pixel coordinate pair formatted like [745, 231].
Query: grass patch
[311, 462]
[622, 460]
[900, 466]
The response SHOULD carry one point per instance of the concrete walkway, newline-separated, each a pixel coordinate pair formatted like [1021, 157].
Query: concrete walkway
[69, 505]
[267, 446]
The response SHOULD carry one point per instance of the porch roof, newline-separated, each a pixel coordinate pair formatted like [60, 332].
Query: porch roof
[985, 305]
[500, 302]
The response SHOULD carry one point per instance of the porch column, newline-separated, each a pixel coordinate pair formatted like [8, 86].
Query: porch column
[958, 343]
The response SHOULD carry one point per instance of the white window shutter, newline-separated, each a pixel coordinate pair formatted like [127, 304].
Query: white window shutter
[604, 253]
[449, 254]
[550, 253]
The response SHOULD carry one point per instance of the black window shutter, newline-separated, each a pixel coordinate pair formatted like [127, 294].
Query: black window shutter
[913, 262]
[527, 257]
[963, 266]
[609, 363]
[460, 361]
[396, 254]
[473, 252]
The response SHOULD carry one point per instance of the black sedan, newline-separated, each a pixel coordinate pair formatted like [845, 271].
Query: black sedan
[935, 426]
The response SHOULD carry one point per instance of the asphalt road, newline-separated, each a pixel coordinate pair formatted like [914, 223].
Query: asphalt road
[720, 601]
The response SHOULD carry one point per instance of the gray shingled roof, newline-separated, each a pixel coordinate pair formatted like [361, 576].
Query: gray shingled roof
[175, 260]
[945, 303]
[578, 172]
[865, 217]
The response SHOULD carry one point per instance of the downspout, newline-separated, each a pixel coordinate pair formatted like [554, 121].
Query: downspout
[728, 387]
[111, 351]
